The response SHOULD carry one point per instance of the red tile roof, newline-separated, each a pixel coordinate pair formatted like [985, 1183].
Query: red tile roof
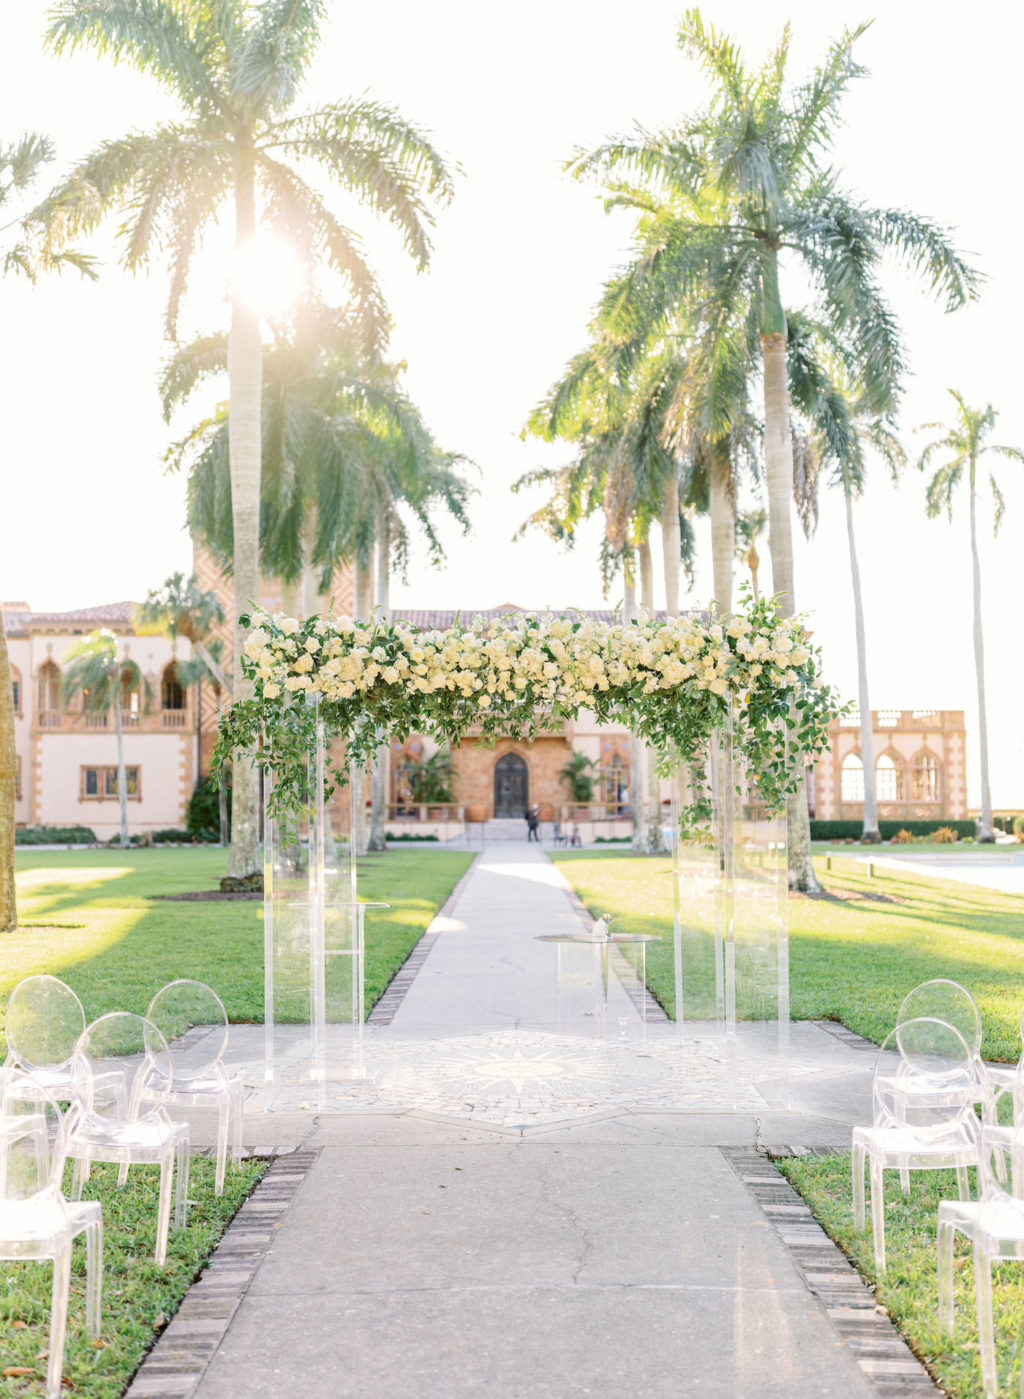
[19, 620]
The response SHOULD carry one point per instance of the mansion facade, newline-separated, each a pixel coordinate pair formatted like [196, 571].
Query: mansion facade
[67, 762]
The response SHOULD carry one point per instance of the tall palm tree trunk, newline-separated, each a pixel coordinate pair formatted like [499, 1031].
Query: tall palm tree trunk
[722, 509]
[8, 781]
[245, 386]
[291, 597]
[986, 833]
[671, 543]
[637, 757]
[379, 774]
[122, 776]
[655, 840]
[870, 835]
[778, 458]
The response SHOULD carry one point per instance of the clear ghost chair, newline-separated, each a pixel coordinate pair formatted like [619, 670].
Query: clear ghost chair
[924, 1118]
[44, 1021]
[36, 1221]
[995, 1225]
[140, 1134]
[192, 1019]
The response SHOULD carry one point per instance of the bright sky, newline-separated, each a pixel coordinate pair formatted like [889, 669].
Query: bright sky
[508, 92]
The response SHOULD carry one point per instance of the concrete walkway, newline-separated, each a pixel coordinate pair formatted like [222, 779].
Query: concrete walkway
[1001, 868]
[613, 1252]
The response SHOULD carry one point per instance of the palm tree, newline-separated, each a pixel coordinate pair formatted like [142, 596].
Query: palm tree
[729, 200]
[750, 525]
[236, 68]
[843, 430]
[183, 608]
[104, 678]
[962, 445]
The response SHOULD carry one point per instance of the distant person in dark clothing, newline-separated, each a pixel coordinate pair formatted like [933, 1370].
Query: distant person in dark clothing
[533, 825]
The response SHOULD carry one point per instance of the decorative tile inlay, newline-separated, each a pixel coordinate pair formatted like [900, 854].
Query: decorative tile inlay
[516, 1078]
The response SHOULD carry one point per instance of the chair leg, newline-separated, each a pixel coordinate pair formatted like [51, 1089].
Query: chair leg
[963, 1183]
[93, 1277]
[78, 1178]
[986, 1340]
[857, 1161]
[224, 1125]
[181, 1178]
[947, 1312]
[237, 1113]
[163, 1218]
[878, 1214]
[58, 1319]
[122, 1175]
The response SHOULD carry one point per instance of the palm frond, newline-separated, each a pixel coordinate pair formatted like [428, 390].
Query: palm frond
[271, 56]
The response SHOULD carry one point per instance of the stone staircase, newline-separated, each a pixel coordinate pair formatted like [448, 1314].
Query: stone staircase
[504, 828]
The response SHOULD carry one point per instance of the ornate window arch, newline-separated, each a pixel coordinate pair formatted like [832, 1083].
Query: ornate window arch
[889, 777]
[172, 690]
[926, 777]
[851, 778]
[48, 687]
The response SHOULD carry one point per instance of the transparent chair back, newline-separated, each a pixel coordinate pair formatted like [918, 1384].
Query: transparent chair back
[942, 999]
[36, 1222]
[127, 1128]
[194, 1023]
[192, 1019]
[43, 1023]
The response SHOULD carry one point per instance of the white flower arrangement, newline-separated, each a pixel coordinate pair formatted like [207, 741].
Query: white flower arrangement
[673, 682]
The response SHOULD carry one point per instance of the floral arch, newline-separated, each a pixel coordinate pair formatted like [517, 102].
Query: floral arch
[673, 682]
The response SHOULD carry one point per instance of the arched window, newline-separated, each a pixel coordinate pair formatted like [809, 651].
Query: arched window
[48, 688]
[926, 778]
[172, 691]
[851, 779]
[16, 687]
[888, 779]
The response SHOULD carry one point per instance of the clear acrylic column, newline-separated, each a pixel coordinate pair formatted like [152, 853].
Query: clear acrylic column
[313, 946]
[731, 905]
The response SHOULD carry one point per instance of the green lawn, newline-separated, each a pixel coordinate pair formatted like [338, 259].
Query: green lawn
[90, 917]
[909, 1289]
[138, 1297]
[854, 955]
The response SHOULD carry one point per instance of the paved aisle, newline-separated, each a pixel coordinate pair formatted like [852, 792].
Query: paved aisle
[616, 1256]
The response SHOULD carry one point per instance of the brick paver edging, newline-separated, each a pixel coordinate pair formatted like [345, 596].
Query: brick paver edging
[178, 1360]
[395, 992]
[881, 1352]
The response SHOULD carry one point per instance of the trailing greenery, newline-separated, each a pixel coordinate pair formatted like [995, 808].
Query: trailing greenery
[851, 830]
[909, 1288]
[94, 918]
[138, 1297]
[854, 954]
[673, 683]
[54, 835]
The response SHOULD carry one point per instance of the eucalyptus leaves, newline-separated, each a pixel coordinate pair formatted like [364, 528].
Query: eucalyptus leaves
[672, 682]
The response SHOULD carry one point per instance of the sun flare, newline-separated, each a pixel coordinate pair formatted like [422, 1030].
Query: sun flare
[267, 273]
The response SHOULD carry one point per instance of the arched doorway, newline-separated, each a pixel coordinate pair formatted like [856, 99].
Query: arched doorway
[511, 786]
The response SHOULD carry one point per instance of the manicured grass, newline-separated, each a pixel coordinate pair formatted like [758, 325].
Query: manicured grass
[854, 955]
[99, 927]
[909, 1288]
[138, 1297]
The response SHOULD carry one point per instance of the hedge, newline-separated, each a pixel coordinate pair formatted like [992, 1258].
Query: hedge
[851, 830]
[54, 835]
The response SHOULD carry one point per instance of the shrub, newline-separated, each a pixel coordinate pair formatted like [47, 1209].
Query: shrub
[1018, 827]
[202, 819]
[851, 830]
[945, 835]
[171, 837]
[904, 838]
[54, 835]
[408, 835]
